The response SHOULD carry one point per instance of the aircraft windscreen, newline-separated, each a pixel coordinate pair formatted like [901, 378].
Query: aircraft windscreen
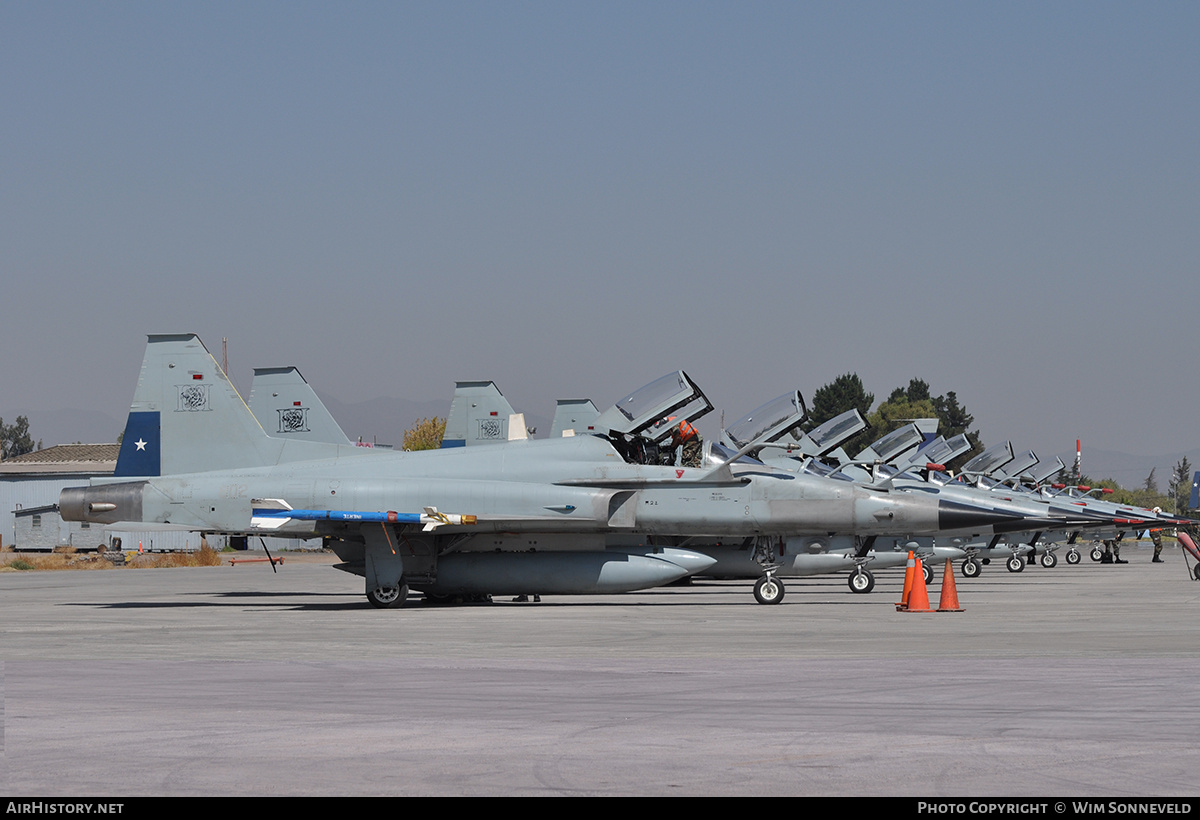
[835, 428]
[723, 454]
[829, 471]
[645, 399]
[820, 468]
[775, 412]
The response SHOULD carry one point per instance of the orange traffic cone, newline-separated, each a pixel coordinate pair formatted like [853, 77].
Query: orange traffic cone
[918, 599]
[949, 600]
[908, 583]
[139, 547]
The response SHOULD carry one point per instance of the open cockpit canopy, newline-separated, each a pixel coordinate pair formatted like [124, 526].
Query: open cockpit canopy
[652, 411]
[770, 422]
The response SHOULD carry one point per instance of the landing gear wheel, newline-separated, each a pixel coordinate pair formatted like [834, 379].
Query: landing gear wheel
[1050, 560]
[861, 581]
[971, 568]
[927, 571]
[1015, 563]
[388, 597]
[1196, 572]
[1097, 553]
[768, 590]
[1073, 557]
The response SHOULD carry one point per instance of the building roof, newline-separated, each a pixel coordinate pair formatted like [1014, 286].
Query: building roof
[65, 458]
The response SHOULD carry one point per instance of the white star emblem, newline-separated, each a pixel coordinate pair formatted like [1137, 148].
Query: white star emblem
[141, 445]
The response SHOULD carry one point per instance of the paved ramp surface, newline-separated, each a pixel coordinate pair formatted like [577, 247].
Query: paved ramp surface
[1078, 680]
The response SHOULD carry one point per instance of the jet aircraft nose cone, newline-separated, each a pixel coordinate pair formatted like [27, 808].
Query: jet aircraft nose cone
[956, 515]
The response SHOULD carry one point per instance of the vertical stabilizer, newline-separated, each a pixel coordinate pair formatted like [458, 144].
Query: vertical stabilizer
[479, 414]
[576, 415]
[287, 407]
[187, 416]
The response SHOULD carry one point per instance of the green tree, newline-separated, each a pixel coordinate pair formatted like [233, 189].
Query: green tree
[1181, 484]
[15, 439]
[917, 402]
[425, 434]
[1150, 485]
[842, 394]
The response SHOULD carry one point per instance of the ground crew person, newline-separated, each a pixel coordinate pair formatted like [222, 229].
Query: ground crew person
[1112, 553]
[684, 435]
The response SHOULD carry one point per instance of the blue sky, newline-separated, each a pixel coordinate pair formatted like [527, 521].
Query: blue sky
[572, 198]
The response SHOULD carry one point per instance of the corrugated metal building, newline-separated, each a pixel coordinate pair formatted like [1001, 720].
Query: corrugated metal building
[35, 479]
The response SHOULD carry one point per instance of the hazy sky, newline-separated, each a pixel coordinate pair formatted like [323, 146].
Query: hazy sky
[573, 198]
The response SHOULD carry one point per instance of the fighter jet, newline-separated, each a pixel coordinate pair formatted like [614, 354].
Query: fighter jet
[532, 516]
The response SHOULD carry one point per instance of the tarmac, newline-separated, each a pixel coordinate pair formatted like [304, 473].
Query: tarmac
[1073, 681]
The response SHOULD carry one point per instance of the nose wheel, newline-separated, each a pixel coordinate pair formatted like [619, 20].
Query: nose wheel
[971, 568]
[768, 590]
[1015, 564]
[861, 581]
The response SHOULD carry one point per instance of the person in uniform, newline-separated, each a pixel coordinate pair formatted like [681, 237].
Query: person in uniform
[1112, 553]
[684, 435]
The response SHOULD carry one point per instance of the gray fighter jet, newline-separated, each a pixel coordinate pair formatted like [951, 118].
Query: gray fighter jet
[532, 516]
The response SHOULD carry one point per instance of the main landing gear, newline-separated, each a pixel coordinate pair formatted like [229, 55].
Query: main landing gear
[388, 597]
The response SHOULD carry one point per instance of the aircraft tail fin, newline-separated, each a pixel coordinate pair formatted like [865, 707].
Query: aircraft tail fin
[187, 416]
[287, 407]
[573, 415]
[479, 414]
